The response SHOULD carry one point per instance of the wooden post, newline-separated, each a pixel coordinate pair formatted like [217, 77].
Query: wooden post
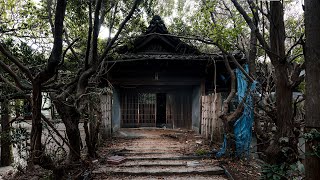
[202, 115]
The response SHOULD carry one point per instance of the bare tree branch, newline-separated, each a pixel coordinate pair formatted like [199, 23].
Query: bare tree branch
[86, 59]
[6, 81]
[291, 59]
[251, 79]
[49, 4]
[254, 9]
[112, 19]
[12, 30]
[70, 45]
[58, 134]
[104, 11]
[295, 78]
[121, 26]
[225, 107]
[299, 42]
[17, 62]
[93, 55]
[56, 53]
[253, 27]
[65, 51]
[14, 76]
[238, 112]
[94, 59]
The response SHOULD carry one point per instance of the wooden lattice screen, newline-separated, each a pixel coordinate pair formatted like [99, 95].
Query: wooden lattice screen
[138, 109]
[147, 109]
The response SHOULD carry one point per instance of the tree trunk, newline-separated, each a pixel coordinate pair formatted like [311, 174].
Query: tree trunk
[283, 89]
[43, 76]
[5, 135]
[312, 29]
[92, 127]
[252, 55]
[276, 52]
[91, 145]
[73, 134]
[36, 131]
[70, 117]
[284, 112]
[230, 136]
[283, 103]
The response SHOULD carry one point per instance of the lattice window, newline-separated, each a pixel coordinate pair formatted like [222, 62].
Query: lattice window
[138, 109]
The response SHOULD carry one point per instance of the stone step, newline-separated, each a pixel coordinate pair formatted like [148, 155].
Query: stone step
[4, 170]
[146, 154]
[166, 157]
[151, 155]
[165, 163]
[141, 152]
[171, 177]
[145, 149]
[160, 171]
[150, 148]
[151, 145]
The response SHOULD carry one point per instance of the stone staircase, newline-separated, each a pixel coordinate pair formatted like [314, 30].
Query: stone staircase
[158, 157]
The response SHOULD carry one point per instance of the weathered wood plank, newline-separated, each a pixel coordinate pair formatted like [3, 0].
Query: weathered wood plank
[211, 124]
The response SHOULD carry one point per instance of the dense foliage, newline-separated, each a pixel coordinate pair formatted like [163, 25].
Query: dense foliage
[40, 54]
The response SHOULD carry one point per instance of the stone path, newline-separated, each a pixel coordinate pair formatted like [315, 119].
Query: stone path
[5, 170]
[158, 154]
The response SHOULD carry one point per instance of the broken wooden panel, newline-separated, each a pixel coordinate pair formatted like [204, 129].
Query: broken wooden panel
[106, 112]
[211, 124]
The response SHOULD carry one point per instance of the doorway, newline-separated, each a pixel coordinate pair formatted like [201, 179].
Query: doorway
[161, 110]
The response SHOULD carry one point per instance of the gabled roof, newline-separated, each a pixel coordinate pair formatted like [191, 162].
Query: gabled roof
[156, 43]
[157, 40]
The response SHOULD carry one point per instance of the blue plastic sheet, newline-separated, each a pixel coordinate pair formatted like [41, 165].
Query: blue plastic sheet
[243, 125]
[222, 150]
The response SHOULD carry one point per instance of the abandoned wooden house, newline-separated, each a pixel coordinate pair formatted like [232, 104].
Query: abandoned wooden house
[161, 81]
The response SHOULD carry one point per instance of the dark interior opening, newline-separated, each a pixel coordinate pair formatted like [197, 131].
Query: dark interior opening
[161, 110]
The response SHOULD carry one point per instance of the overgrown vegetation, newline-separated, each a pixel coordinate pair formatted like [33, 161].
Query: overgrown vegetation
[54, 46]
[313, 138]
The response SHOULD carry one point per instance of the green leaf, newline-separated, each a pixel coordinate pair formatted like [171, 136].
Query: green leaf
[300, 167]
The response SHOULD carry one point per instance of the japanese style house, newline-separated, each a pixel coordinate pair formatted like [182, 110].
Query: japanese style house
[159, 79]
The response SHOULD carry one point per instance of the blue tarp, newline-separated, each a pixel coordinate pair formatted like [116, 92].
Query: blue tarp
[243, 125]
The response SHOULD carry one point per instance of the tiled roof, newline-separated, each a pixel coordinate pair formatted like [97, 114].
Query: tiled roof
[203, 57]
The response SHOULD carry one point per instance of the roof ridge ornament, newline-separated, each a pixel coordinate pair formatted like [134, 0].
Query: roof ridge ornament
[157, 26]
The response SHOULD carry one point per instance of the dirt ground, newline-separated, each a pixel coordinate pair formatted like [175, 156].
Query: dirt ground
[190, 144]
[156, 150]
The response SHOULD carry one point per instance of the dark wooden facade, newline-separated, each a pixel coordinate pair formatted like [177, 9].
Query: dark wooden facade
[160, 79]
